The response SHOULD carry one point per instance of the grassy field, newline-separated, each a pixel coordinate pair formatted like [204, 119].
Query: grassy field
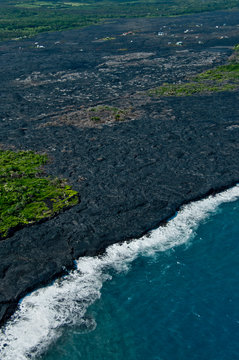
[220, 78]
[26, 18]
[25, 195]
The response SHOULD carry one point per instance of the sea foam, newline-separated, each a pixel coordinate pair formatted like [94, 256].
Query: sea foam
[42, 314]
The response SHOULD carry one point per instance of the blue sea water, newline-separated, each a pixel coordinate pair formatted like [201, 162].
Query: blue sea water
[172, 295]
[179, 304]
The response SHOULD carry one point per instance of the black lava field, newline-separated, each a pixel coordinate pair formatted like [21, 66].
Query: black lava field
[131, 175]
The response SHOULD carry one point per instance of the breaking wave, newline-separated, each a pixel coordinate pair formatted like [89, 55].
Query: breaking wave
[42, 314]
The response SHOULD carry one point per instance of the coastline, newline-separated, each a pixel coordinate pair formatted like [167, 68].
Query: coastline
[55, 267]
[66, 304]
[131, 176]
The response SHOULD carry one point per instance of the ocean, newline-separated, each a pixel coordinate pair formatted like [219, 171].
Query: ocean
[171, 295]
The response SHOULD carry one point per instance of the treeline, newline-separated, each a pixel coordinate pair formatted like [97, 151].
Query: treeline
[29, 17]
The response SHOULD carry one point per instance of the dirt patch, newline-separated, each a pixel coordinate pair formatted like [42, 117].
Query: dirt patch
[94, 116]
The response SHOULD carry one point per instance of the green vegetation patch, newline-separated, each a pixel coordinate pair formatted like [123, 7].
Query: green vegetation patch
[26, 196]
[220, 74]
[191, 88]
[221, 78]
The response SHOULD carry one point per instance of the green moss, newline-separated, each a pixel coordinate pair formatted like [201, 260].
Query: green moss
[25, 197]
[220, 78]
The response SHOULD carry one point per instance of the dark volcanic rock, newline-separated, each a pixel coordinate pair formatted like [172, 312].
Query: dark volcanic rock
[131, 176]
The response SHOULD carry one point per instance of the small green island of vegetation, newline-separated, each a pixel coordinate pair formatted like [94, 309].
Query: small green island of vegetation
[26, 196]
[220, 78]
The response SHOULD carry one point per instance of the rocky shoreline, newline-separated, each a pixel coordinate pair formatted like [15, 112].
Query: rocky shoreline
[131, 175]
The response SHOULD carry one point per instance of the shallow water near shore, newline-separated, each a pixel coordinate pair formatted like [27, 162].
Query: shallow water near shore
[172, 295]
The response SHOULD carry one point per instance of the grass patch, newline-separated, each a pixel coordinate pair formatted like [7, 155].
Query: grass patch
[188, 89]
[26, 196]
[219, 74]
[221, 78]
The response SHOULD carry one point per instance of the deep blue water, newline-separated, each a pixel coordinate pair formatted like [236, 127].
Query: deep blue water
[171, 295]
[179, 304]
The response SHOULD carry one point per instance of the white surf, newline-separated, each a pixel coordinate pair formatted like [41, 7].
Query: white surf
[42, 314]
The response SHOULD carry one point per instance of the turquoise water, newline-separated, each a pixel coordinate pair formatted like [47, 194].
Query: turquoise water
[171, 295]
[180, 304]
